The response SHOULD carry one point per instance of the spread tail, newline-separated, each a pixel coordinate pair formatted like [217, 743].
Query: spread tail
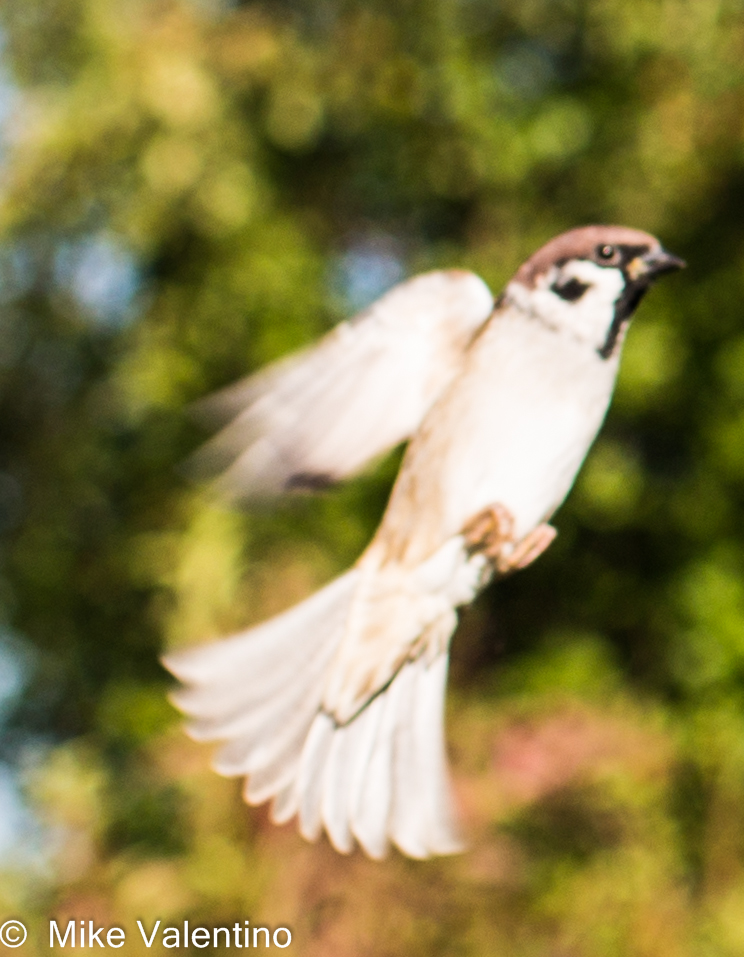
[380, 777]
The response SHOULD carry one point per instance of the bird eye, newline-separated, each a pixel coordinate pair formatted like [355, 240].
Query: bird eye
[605, 252]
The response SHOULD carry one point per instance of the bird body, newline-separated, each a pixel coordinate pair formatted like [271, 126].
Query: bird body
[530, 402]
[513, 428]
[335, 708]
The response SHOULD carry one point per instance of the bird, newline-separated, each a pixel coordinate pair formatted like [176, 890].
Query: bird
[334, 708]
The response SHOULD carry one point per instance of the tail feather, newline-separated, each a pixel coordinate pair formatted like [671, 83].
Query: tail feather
[271, 778]
[263, 784]
[310, 778]
[286, 803]
[405, 818]
[281, 740]
[372, 813]
[258, 735]
[380, 778]
[243, 699]
[437, 805]
[248, 726]
[270, 650]
[336, 778]
[367, 728]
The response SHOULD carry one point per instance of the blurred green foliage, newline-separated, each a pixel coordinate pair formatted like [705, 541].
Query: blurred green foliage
[190, 189]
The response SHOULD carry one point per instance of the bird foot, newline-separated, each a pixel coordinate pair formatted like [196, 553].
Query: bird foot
[528, 549]
[491, 532]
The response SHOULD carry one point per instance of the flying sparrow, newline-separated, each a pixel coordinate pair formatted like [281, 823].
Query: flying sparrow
[334, 708]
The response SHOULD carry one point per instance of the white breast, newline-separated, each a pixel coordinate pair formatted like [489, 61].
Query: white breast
[513, 429]
[541, 398]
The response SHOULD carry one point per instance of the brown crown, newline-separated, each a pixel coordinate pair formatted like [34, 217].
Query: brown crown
[580, 244]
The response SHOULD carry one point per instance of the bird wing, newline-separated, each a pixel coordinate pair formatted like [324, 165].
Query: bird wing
[322, 414]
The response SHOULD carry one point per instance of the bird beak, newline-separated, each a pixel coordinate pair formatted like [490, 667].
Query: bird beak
[653, 264]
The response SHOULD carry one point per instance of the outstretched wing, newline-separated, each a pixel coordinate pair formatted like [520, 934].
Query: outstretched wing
[322, 414]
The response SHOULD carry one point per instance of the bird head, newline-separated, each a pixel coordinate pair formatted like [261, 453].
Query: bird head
[588, 282]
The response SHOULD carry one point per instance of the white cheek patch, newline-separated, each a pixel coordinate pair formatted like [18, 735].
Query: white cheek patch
[588, 317]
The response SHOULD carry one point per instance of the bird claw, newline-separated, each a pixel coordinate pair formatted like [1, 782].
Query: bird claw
[528, 549]
[491, 533]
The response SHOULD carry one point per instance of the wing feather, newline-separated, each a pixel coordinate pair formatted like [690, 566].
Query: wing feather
[321, 415]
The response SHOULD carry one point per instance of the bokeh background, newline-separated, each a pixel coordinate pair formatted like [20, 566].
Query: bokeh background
[190, 188]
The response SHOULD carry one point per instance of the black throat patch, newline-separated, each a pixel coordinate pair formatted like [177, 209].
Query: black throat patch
[625, 306]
